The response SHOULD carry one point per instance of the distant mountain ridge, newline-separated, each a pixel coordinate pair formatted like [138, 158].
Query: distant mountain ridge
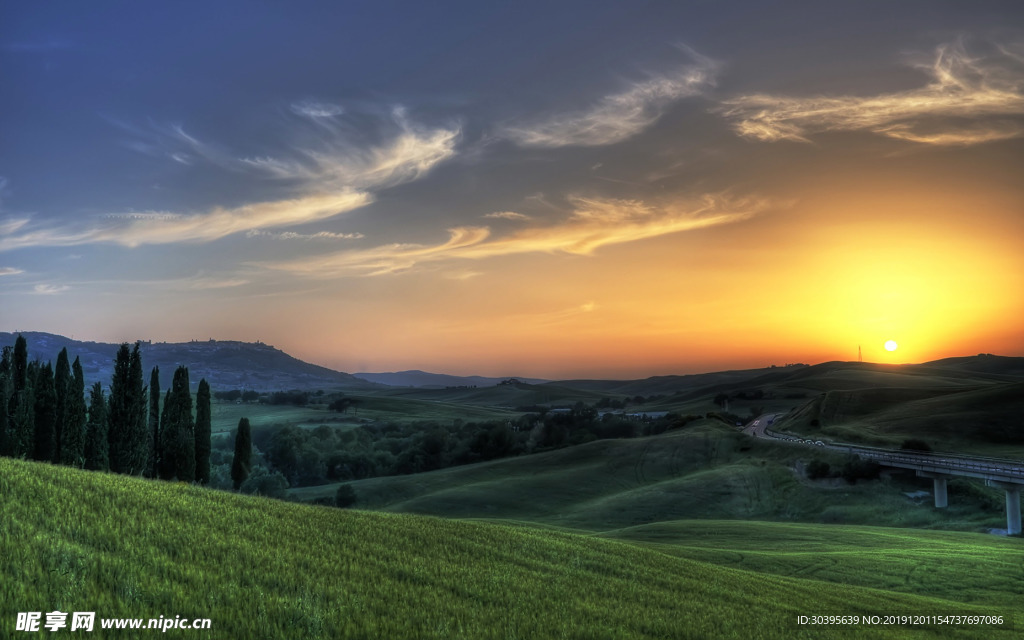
[417, 378]
[231, 364]
[226, 364]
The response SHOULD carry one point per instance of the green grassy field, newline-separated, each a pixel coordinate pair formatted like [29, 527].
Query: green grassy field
[225, 416]
[977, 568]
[124, 547]
[370, 408]
[388, 407]
[706, 470]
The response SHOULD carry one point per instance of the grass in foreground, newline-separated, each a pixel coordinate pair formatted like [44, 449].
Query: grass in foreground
[78, 541]
[974, 568]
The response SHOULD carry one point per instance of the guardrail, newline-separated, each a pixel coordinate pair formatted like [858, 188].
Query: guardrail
[1006, 473]
[937, 460]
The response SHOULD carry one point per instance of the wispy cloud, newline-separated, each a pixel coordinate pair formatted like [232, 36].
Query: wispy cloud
[618, 116]
[558, 316]
[411, 153]
[171, 141]
[969, 101]
[132, 230]
[291, 235]
[12, 225]
[10, 271]
[206, 283]
[593, 223]
[507, 215]
[50, 289]
[312, 109]
[329, 181]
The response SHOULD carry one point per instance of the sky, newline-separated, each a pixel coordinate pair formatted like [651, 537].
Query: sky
[571, 189]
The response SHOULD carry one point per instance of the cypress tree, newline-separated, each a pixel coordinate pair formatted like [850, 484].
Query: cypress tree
[97, 445]
[242, 462]
[6, 391]
[23, 423]
[73, 444]
[21, 432]
[140, 439]
[179, 428]
[62, 391]
[128, 435]
[186, 450]
[20, 363]
[168, 439]
[203, 433]
[153, 467]
[118, 413]
[46, 413]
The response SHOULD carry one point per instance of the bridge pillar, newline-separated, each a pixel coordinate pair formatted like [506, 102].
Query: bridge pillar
[1012, 504]
[939, 482]
[1013, 510]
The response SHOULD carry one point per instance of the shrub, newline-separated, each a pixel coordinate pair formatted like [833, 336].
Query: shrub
[817, 469]
[346, 496]
[915, 444]
[857, 469]
[264, 483]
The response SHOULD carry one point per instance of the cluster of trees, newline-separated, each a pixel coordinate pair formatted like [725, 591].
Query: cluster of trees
[42, 409]
[43, 416]
[852, 470]
[294, 397]
[308, 457]
[237, 394]
[612, 403]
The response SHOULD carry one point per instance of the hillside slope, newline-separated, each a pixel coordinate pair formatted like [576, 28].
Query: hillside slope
[227, 364]
[705, 470]
[984, 419]
[124, 547]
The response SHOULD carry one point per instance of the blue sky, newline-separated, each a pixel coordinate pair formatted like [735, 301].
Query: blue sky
[552, 188]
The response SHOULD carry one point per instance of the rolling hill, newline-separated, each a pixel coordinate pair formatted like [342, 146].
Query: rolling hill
[971, 405]
[226, 364]
[124, 547]
[705, 470]
[417, 378]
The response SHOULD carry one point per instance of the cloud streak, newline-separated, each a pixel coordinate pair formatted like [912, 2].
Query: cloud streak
[132, 230]
[969, 101]
[317, 109]
[291, 235]
[329, 182]
[408, 156]
[50, 289]
[507, 215]
[10, 271]
[619, 116]
[593, 223]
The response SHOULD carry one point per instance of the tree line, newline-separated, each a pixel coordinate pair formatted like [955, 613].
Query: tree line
[305, 457]
[44, 417]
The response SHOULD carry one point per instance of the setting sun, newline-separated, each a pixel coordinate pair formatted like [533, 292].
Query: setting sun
[891, 345]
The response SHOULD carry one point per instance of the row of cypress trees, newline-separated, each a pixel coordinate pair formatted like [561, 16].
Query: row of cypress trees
[43, 416]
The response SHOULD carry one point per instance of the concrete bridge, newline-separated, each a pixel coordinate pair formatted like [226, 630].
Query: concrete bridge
[1007, 475]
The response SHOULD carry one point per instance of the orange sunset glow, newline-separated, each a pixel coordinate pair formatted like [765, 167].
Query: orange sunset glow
[690, 205]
